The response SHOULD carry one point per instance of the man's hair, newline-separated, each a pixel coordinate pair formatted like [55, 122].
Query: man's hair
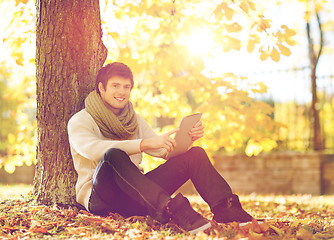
[111, 70]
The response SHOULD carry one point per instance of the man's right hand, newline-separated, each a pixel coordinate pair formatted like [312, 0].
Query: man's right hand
[162, 141]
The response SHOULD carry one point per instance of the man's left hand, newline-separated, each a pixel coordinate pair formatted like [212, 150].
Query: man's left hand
[197, 131]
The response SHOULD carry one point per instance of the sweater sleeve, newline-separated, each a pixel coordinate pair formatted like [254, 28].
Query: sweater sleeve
[85, 140]
[147, 132]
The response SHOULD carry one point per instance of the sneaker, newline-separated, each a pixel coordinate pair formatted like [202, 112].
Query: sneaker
[185, 216]
[230, 210]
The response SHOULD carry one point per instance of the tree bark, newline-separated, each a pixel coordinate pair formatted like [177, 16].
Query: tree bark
[69, 53]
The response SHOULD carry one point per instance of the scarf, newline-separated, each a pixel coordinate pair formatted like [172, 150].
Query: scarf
[116, 127]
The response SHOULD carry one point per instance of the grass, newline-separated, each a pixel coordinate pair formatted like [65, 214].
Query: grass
[300, 217]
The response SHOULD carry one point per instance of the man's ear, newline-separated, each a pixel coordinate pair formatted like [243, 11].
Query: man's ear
[101, 88]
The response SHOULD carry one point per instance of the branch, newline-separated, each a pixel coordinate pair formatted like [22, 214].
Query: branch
[310, 45]
[321, 37]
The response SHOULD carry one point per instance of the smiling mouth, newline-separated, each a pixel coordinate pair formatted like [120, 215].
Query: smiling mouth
[119, 99]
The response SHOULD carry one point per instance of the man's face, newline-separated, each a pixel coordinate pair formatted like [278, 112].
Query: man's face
[117, 93]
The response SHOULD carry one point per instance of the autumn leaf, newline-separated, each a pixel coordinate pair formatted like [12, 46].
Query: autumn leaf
[250, 45]
[288, 32]
[17, 2]
[235, 27]
[303, 234]
[252, 40]
[227, 11]
[264, 54]
[275, 56]
[263, 24]
[251, 5]
[284, 50]
[37, 228]
[244, 6]
[231, 43]
[290, 41]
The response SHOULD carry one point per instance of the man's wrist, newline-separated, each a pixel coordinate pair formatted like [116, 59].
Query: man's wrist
[143, 145]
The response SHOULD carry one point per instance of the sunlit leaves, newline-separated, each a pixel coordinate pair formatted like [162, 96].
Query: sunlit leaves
[252, 40]
[269, 41]
[284, 50]
[17, 70]
[275, 56]
[17, 2]
[263, 24]
[223, 10]
[282, 37]
[246, 5]
[253, 148]
[229, 43]
[286, 35]
[234, 27]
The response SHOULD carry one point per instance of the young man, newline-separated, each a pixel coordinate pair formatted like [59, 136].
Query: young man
[107, 139]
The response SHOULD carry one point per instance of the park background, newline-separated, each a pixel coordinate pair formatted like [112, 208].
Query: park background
[261, 72]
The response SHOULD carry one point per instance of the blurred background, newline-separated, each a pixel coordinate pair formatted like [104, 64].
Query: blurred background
[262, 73]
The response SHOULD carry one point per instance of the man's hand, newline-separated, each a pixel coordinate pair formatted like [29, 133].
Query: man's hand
[162, 141]
[197, 131]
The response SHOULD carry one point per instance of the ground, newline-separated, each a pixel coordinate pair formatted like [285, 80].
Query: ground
[286, 217]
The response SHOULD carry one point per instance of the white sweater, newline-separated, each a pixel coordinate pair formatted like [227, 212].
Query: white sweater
[88, 146]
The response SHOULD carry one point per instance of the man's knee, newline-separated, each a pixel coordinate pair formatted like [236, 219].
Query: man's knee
[198, 154]
[197, 151]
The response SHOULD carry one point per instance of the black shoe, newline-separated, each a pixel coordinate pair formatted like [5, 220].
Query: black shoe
[185, 216]
[230, 210]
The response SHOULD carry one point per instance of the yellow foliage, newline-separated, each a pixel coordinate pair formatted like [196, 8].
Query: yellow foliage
[169, 76]
[288, 32]
[284, 50]
[252, 40]
[264, 54]
[234, 27]
[263, 24]
[286, 35]
[254, 148]
[250, 45]
[231, 43]
[244, 6]
[11, 138]
[10, 167]
[259, 88]
[17, 2]
[223, 10]
[275, 55]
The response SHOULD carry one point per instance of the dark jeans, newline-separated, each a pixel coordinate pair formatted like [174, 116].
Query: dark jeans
[119, 186]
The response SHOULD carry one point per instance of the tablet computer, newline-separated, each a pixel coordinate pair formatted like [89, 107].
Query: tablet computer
[182, 137]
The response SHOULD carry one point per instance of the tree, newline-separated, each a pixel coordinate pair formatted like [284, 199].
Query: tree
[69, 53]
[314, 55]
[316, 30]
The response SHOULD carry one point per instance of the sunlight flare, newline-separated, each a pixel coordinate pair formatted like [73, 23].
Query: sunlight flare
[200, 42]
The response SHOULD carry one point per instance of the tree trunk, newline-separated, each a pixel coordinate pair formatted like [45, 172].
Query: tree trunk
[318, 140]
[69, 54]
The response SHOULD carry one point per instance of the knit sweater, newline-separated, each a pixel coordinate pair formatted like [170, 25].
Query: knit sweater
[88, 146]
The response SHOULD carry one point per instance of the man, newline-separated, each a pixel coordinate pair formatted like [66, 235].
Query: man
[107, 139]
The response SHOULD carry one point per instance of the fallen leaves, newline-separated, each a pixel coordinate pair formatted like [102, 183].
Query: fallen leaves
[283, 219]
